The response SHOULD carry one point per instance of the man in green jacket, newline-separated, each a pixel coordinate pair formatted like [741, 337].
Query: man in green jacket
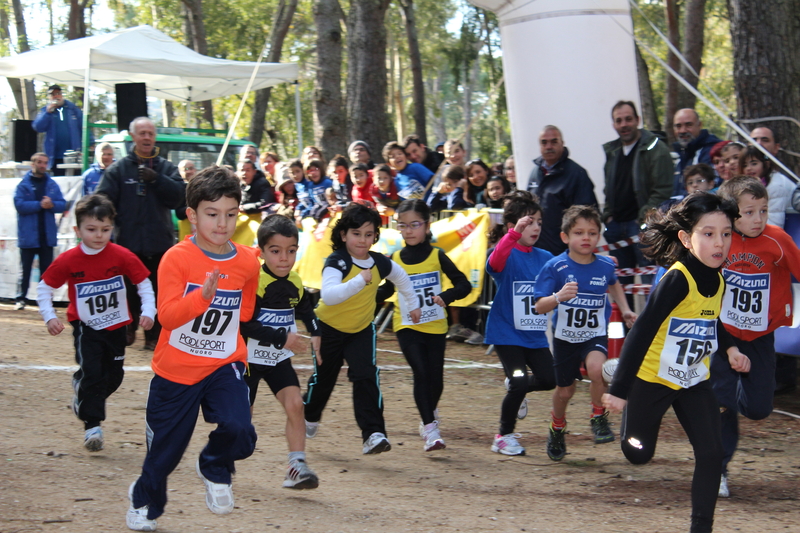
[638, 173]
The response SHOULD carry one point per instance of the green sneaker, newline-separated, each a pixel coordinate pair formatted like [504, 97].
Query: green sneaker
[600, 428]
[556, 447]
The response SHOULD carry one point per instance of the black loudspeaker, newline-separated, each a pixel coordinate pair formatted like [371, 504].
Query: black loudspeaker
[23, 139]
[131, 103]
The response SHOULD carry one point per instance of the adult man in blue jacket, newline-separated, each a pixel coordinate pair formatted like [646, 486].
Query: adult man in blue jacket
[61, 121]
[560, 183]
[37, 199]
[693, 145]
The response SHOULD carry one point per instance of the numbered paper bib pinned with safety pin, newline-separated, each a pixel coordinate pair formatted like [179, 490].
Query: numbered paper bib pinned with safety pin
[103, 303]
[686, 346]
[426, 286]
[215, 333]
[746, 302]
[525, 316]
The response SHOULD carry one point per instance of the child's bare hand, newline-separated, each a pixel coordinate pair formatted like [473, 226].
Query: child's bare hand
[523, 223]
[438, 301]
[416, 314]
[367, 275]
[738, 361]
[316, 342]
[210, 285]
[54, 326]
[444, 187]
[629, 318]
[568, 291]
[613, 404]
[146, 322]
[296, 343]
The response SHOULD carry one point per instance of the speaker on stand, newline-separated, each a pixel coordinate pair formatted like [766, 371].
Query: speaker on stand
[131, 103]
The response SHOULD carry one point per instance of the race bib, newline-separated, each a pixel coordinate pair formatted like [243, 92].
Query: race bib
[102, 304]
[264, 353]
[525, 316]
[686, 346]
[746, 302]
[582, 318]
[426, 285]
[215, 333]
[414, 190]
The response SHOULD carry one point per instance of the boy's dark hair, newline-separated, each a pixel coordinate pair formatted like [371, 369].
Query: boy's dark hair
[660, 237]
[734, 188]
[211, 184]
[520, 204]
[391, 145]
[359, 166]
[454, 172]
[296, 163]
[316, 163]
[700, 169]
[622, 103]
[96, 206]
[354, 216]
[572, 214]
[276, 225]
[383, 168]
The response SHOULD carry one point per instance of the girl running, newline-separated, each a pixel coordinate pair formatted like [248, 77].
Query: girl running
[517, 332]
[665, 358]
[423, 344]
[350, 280]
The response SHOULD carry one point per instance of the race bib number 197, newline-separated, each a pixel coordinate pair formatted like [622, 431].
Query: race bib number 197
[215, 333]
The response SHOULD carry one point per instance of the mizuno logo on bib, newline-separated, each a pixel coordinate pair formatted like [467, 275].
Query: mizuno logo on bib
[264, 353]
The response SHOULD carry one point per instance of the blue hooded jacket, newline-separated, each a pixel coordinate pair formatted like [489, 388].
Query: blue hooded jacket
[28, 208]
[46, 123]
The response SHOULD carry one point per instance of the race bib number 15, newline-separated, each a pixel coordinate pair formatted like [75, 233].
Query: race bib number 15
[525, 316]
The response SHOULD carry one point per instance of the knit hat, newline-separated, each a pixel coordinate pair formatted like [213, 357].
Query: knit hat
[356, 143]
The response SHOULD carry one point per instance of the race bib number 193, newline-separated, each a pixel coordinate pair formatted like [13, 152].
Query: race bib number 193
[215, 333]
[746, 302]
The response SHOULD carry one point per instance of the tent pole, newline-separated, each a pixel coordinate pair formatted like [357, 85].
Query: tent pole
[85, 125]
[188, 108]
[297, 115]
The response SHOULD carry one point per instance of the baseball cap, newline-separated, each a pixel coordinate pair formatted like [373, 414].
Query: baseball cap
[53, 88]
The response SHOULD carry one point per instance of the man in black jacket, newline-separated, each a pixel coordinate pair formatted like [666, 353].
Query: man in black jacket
[419, 153]
[144, 189]
[560, 183]
[256, 190]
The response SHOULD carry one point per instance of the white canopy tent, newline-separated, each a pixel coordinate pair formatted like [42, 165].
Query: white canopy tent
[143, 54]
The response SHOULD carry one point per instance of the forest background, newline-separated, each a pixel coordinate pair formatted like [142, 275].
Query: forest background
[380, 69]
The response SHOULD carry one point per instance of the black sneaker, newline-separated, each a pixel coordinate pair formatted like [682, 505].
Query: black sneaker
[602, 432]
[556, 447]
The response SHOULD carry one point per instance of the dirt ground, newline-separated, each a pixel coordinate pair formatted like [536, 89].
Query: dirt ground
[49, 482]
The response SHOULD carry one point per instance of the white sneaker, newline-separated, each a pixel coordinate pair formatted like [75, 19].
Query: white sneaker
[19, 306]
[422, 424]
[723, 487]
[311, 429]
[300, 476]
[507, 444]
[219, 496]
[376, 443]
[136, 519]
[93, 439]
[474, 338]
[522, 412]
[433, 440]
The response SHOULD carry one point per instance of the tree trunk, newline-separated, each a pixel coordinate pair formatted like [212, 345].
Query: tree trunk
[24, 92]
[671, 94]
[415, 58]
[77, 24]
[649, 113]
[280, 27]
[766, 66]
[328, 92]
[693, 42]
[400, 111]
[366, 74]
[438, 110]
[194, 8]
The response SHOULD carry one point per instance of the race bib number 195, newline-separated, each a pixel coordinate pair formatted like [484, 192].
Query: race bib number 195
[215, 333]
[581, 318]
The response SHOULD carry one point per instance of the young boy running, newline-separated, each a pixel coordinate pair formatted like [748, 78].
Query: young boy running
[207, 287]
[272, 338]
[757, 300]
[98, 309]
[575, 284]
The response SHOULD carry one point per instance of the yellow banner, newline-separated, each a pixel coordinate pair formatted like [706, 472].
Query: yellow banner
[462, 237]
